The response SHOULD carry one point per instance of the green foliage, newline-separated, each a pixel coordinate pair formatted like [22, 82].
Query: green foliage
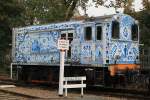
[10, 16]
[44, 11]
[146, 4]
[144, 21]
[126, 4]
[143, 17]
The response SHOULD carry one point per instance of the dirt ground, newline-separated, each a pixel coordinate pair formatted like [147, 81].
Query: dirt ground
[52, 94]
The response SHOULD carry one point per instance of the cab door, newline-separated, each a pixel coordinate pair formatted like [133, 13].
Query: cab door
[87, 44]
[68, 35]
[99, 44]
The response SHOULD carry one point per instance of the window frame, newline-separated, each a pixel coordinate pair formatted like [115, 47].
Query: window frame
[67, 32]
[137, 32]
[97, 32]
[112, 30]
[85, 34]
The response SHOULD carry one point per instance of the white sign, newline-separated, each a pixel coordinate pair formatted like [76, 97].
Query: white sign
[63, 44]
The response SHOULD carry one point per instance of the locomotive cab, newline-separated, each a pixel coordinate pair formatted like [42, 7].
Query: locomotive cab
[91, 46]
[123, 44]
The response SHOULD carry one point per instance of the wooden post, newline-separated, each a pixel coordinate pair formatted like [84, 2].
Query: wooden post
[66, 89]
[81, 89]
[11, 76]
[61, 72]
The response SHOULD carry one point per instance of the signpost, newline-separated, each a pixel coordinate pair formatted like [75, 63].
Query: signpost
[62, 45]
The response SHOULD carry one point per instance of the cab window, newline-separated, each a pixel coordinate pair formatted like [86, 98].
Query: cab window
[88, 33]
[134, 31]
[99, 32]
[63, 36]
[115, 29]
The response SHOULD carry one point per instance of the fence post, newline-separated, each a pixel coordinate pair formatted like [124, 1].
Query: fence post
[66, 88]
[11, 71]
[82, 89]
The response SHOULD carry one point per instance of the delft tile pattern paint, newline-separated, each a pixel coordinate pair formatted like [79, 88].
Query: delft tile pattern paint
[126, 51]
[86, 53]
[41, 46]
[75, 51]
[125, 48]
[35, 47]
[91, 53]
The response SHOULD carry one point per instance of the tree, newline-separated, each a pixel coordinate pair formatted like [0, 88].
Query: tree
[146, 4]
[126, 4]
[144, 20]
[10, 16]
[46, 11]
[43, 11]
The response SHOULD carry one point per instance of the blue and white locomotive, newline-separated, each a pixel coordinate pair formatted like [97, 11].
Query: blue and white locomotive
[108, 42]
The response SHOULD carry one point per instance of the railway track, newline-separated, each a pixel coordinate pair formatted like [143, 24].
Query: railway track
[13, 96]
[125, 93]
[102, 91]
[7, 95]
[94, 90]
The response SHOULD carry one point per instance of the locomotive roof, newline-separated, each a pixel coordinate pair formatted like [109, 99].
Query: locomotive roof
[99, 18]
[76, 21]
